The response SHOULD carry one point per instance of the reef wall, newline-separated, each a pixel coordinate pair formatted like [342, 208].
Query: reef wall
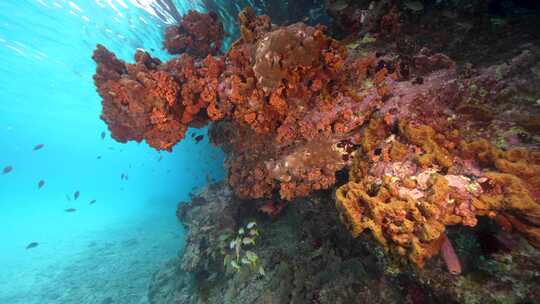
[427, 142]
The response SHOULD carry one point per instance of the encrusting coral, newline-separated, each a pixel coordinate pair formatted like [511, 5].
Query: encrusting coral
[407, 187]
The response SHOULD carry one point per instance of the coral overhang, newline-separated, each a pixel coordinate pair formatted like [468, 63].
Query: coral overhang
[292, 107]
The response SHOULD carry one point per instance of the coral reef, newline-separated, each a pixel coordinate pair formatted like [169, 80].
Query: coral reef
[197, 34]
[407, 187]
[288, 84]
[428, 142]
[152, 100]
[139, 100]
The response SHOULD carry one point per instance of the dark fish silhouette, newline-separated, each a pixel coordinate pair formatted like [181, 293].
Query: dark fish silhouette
[39, 146]
[40, 184]
[32, 245]
[199, 138]
[103, 135]
[7, 169]
[122, 176]
[126, 177]
[98, 157]
[70, 210]
[92, 202]
[193, 135]
[68, 198]
[160, 158]
[76, 195]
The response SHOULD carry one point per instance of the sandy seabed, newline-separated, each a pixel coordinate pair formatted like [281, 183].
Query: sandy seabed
[110, 266]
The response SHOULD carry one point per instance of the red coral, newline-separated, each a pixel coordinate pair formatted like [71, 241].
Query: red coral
[154, 101]
[287, 97]
[197, 34]
[271, 82]
[139, 101]
[289, 84]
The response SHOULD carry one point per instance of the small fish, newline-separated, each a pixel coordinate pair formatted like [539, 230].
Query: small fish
[449, 256]
[70, 210]
[271, 208]
[68, 198]
[126, 177]
[40, 184]
[92, 202]
[199, 138]
[122, 176]
[103, 135]
[160, 158]
[76, 195]
[7, 169]
[38, 146]
[32, 245]
[192, 134]
[338, 5]
[98, 157]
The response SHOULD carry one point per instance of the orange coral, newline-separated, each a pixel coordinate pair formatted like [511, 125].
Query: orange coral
[149, 98]
[416, 184]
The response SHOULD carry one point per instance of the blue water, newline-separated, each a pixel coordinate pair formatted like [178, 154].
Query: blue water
[107, 250]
